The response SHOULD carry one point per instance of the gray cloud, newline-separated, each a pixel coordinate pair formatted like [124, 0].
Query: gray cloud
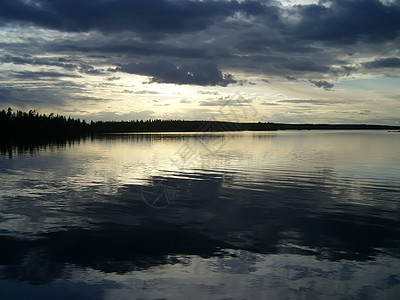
[256, 36]
[163, 71]
[305, 65]
[88, 69]
[322, 84]
[5, 95]
[26, 97]
[365, 112]
[208, 92]
[309, 101]
[30, 60]
[269, 103]
[39, 75]
[348, 21]
[43, 95]
[145, 92]
[112, 116]
[151, 19]
[112, 78]
[392, 62]
[111, 45]
[200, 43]
[51, 62]
[226, 102]
[340, 21]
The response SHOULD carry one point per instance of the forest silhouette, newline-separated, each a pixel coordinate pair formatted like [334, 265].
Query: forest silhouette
[19, 126]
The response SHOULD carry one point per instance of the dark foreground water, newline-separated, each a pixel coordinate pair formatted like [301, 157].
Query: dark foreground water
[281, 215]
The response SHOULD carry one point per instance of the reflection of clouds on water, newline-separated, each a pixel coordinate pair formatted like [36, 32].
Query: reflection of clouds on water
[267, 276]
[274, 217]
[268, 212]
[240, 222]
[160, 193]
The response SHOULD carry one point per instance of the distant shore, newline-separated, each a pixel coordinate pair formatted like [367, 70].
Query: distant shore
[30, 126]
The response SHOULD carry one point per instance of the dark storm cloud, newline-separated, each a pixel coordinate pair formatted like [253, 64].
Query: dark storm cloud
[391, 62]
[305, 66]
[348, 21]
[163, 71]
[312, 38]
[335, 21]
[150, 18]
[194, 42]
[322, 84]
[134, 47]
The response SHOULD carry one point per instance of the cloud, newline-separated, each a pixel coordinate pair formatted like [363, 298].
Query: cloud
[309, 101]
[207, 92]
[365, 112]
[88, 69]
[236, 100]
[304, 66]
[163, 71]
[347, 21]
[322, 84]
[28, 97]
[392, 62]
[147, 18]
[52, 62]
[301, 41]
[44, 95]
[113, 116]
[333, 21]
[39, 75]
[215, 43]
[269, 103]
[244, 82]
[35, 61]
[5, 95]
[142, 92]
[112, 78]
[126, 44]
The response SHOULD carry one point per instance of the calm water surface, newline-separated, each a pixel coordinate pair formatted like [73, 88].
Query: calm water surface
[253, 215]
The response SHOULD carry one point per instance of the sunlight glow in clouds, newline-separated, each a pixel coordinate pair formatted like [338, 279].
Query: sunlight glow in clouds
[292, 61]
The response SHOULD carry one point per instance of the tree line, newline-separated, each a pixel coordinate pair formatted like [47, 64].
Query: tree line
[28, 126]
[16, 125]
[32, 125]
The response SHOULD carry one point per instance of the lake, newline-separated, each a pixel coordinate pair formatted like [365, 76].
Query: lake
[234, 215]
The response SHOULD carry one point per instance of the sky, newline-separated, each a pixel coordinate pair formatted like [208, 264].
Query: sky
[287, 61]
